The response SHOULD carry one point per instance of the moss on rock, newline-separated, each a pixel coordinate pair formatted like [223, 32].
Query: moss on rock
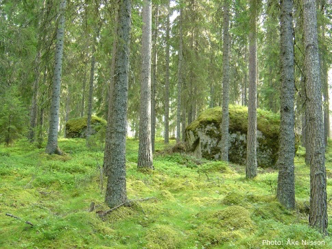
[203, 136]
[77, 127]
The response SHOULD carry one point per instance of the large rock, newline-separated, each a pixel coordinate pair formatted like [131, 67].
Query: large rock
[203, 136]
[77, 127]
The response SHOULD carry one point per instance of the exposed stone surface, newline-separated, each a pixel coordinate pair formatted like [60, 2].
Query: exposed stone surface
[77, 127]
[203, 136]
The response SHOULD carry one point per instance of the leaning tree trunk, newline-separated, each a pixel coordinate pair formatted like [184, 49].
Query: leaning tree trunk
[286, 186]
[52, 143]
[251, 169]
[318, 198]
[225, 85]
[145, 147]
[116, 192]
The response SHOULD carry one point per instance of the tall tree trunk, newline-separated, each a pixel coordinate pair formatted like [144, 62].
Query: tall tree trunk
[34, 108]
[179, 86]
[166, 138]
[318, 198]
[83, 93]
[92, 74]
[226, 74]
[145, 159]
[116, 192]
[52, 143]
[154, 78]
[251, 169]
[286, 186]
[67, 112]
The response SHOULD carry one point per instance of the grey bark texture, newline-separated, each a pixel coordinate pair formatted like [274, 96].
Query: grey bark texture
[92, 74]
[225, 85]
[318, 198]
[145, 159]
[166, 136]
[110, 100]
[154, 79]
[179, 86]
[285, 163]
[251, 169]
[116, 192]
[52, 142]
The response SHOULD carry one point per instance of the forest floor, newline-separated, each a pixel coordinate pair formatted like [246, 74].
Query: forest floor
[45, 201]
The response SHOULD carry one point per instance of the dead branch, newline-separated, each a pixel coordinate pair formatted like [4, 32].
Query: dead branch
[18, 218]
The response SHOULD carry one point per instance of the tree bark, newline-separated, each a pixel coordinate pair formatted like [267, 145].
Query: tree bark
[251, 169]
[154, 79]
[226, 74]
[318, 198]
[52, 143]
[145, 159]
[166, 136]
[116, 192]
[179, 86]
[285, 163]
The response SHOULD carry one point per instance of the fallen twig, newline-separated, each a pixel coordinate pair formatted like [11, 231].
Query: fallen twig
[18, 218]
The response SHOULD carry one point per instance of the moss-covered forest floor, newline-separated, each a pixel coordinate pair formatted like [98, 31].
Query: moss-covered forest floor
[196, 204]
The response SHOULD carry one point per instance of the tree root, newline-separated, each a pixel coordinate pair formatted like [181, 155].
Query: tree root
[128, 203]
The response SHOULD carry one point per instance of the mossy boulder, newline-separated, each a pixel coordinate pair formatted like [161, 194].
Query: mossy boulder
[77, 128]
[203, 136]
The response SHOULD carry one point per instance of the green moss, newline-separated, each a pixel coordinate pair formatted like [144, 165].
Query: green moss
[163, 237]
[267, 122]
[76, 127]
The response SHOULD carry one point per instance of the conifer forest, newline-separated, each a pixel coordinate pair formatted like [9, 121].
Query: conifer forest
[165, 124]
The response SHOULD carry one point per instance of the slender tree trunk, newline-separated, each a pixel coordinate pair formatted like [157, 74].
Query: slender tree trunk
[116, 192]
[154, 79]
[83, 93]
[166, 138]
[67, 112]
[34, 108]
[286, 186]
[251, 169]
[52, 143]
[92, 74]
[318, 198]
[179, 86]
[145, 159]
[226, 74]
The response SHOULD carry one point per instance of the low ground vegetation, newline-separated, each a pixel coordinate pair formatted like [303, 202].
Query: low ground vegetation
[195, 204]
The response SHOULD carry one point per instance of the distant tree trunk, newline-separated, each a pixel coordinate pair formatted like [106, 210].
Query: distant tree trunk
[251, 169]
[245, 99]
[92, 74]
[67, 111]
[179, 86]
[52, 143]
[145, 159]
[154, 79]
[286, 186]
[34, 108]
[166, 138]
[83, 93]
[226, 74]
[116, 192]
[318, 198]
